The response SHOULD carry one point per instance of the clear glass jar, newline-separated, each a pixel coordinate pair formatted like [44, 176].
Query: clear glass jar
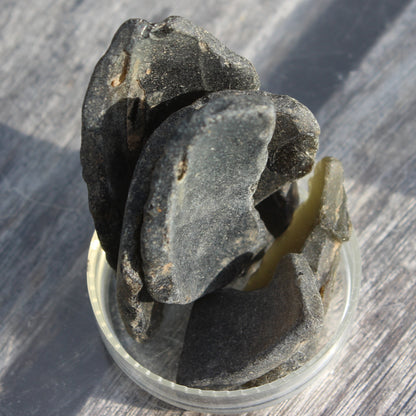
[152, 365]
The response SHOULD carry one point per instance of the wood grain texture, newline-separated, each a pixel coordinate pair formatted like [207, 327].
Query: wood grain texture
[353, 63]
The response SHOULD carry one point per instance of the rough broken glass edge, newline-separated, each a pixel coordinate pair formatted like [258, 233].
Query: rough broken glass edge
[99, 276]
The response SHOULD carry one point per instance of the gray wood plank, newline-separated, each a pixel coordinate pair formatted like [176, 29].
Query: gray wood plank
[52, 360]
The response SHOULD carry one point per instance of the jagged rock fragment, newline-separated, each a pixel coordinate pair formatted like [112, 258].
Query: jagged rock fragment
[235, 336]
[141, 315]
[148, 72]
[333, 226]
[200, 228]
[139, 312]
[319, 226]
[293, 147]
[317, 231]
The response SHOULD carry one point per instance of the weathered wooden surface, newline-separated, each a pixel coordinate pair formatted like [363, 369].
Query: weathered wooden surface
[352, 62]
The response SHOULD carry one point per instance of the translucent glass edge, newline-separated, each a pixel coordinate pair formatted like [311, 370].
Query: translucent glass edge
[265, 395]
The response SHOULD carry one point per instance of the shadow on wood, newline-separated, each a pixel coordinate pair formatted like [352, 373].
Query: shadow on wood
[333, 46]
